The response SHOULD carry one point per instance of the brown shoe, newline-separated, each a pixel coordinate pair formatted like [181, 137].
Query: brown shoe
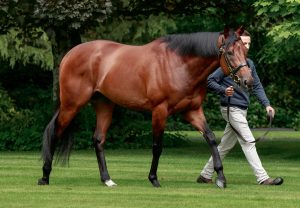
[202, 179]
[270, 181]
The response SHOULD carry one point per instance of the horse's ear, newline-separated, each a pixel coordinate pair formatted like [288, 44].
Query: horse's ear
[226, 31]
[240, 30]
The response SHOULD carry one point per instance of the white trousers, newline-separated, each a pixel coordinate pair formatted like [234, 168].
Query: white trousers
[238, 120]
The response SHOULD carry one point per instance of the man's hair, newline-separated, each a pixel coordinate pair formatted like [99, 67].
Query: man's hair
[246, 33]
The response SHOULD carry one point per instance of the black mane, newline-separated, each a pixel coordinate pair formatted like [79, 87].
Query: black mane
[194, 44]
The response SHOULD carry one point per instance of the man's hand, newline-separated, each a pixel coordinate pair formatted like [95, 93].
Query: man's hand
[271, 110]
[229, 91]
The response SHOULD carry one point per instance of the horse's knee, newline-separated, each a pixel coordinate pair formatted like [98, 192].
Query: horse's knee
[210, 138]
[212, 142]
[99, 142]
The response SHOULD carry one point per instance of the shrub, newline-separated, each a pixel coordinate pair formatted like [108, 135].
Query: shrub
[17, 130]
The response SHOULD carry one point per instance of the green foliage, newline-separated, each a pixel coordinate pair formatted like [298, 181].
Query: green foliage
[278, 56]
[284, 13]
[212, 112]
[24, 109]
[72, 15]
[15, 48]
[257, 114]
[126, 30]
[281, 22]
[67, 14]
[23, 23]
[18, 130]
[16, 13]
[296, 121]
[7, 109]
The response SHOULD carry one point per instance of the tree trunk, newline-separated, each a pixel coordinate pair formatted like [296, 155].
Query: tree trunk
[62, 41]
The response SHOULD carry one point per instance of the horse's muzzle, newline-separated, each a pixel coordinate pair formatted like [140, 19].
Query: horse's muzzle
[247, 83]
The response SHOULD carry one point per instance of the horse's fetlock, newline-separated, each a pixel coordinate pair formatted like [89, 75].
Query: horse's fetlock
[152, 177]
[104, 176]
[47, 169]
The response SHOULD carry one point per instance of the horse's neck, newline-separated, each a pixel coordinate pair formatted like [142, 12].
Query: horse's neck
[206, 66]
[202, 44]
[200, 68]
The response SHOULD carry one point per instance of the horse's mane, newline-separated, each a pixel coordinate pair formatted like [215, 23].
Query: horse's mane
[194, 44]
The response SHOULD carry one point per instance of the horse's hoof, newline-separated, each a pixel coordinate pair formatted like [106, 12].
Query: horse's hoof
[110, 183]
[155, 183]
[43, 181]
[221, 183]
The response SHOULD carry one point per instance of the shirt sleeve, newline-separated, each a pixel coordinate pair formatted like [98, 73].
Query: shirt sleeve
[258, 89]
[214, 80]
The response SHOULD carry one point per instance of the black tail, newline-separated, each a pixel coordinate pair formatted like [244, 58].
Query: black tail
[50, 141]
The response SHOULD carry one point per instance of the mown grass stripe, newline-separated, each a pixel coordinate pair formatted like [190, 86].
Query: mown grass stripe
[79, 186]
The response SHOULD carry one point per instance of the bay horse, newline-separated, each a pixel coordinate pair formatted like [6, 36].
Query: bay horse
[165, 76]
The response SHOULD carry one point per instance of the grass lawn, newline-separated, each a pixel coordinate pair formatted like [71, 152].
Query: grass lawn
[79, 186]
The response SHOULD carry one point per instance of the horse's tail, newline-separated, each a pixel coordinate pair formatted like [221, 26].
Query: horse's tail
[51, 142]
[49, 139]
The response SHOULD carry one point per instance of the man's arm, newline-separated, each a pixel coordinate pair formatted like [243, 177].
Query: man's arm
[259, 91]
[214, 80]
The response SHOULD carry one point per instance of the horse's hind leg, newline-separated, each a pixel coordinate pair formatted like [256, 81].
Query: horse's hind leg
[55, 131]
[104, 109]
[197, 119]
[49, 143]
[159, 116]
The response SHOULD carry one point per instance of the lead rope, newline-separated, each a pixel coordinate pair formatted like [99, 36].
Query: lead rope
[239, 135]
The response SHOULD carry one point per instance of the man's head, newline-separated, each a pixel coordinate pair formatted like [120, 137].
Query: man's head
[246, 39]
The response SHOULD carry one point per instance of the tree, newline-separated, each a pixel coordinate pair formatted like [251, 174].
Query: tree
[279, 22]
[63, 20]
[20, 40]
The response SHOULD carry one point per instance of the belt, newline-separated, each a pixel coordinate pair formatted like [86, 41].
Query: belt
[233, 105]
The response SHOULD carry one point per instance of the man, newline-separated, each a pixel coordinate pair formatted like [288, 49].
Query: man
[237, 126]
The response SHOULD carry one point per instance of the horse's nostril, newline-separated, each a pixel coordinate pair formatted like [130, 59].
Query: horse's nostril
[245, 82]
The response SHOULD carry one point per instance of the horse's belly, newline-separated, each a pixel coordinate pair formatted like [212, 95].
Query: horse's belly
[129, 101]
[186, 104]
[125, 90]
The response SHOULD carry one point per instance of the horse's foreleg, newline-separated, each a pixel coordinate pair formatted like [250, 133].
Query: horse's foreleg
[197, 119]
[104, 117]
[159, 116]
[211, 140]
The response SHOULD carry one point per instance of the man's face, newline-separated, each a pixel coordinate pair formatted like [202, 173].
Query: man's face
[247, 41]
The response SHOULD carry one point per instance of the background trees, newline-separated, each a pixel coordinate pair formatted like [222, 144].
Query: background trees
[34, 34]
[279, 30]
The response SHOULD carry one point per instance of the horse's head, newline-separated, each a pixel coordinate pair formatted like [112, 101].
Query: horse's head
[233, 57]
